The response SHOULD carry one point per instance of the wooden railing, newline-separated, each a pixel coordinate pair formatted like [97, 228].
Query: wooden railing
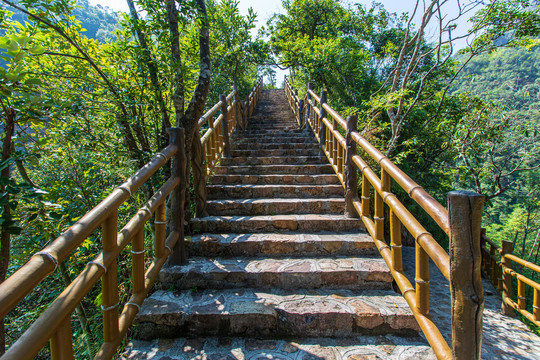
[497, 263]
[54, 324]
[461, 222]
[216, 138]
[296, 104]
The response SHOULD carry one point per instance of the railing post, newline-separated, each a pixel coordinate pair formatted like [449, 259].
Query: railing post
[199, 175]
[227, 146]
[246, 111]
[110, 299]
[507, 248]
[351, 175]
[62, 342]
[176, 137]
[237, 118]
[465, 218]
[308, 108]
[322, 130]
[301, 114]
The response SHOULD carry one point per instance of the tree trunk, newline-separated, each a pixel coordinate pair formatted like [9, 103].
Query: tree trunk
[189, 119]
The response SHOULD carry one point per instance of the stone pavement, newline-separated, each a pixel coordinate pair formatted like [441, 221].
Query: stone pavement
[503, 337]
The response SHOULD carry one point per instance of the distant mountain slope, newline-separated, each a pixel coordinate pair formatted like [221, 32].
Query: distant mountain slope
[510, 76]
[99, 22]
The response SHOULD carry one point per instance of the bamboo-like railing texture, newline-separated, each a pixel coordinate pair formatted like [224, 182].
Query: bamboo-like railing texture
[296, 104]
[329, 127]
[498, 266]
[54, 324]
[215, 140]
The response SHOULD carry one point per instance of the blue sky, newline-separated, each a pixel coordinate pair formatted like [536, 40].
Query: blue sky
[266, 8]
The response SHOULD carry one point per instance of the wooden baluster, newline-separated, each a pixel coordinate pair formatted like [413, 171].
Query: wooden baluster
[308, 106]
[219, 144]
[366, 195]
[351, 175]
[62, 342]
[212, 144]
[237, 117]
[493, 268]
[246, 111]
[536, 305]
[499, 276]
[334, 143]
[176, 137]
[521, 295]
[160, 232]
[395, 242]
[137, 261]
[322, 127]
[340, 158]
[422, 280]
[296, 107]
[378, 217]
[465, 218]
[199, 178]
[507, 248]
[225, 126]
[301, 115]
[109, 301]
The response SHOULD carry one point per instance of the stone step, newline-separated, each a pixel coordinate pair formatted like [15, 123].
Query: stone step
[311, 169]
[249, 132]
[276, 152]
[272, 128]
[273, 191]
[273, 312]
[359, 273]
[277, 134]
[265, 124]
[366, 347]
[283, 146]
[281, 245]
[274, 160]
[327, 179]
[275, 206]
[277, 140]
[275, 223]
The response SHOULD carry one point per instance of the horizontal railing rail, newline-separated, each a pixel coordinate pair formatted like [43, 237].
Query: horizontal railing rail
[341, 151]
[498, 265]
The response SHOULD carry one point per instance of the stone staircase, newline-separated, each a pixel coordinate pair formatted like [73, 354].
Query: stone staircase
[277, 271]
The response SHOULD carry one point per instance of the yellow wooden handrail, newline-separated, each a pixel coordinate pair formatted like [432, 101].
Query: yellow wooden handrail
[501, 273]
[326, 123]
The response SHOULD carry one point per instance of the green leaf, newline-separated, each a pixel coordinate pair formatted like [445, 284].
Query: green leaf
[37, 50]
[34, 81]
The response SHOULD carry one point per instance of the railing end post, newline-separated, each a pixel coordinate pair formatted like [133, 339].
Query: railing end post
[465, 218]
